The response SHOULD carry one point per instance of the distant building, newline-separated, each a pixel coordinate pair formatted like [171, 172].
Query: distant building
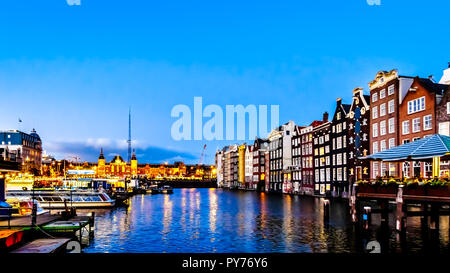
[23, 148]
[260, 147]
[280, 153]
[322, 157]
[296, 171]
[219, 168]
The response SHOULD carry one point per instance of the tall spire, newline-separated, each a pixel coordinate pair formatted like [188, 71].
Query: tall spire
[129, 135]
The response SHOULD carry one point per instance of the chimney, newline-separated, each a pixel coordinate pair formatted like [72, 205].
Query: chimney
[446, 77]
[325, 116]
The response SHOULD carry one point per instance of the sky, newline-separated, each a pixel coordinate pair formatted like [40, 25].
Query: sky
[73, 71]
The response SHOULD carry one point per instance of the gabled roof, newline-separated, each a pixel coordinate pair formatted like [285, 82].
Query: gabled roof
[437, 88]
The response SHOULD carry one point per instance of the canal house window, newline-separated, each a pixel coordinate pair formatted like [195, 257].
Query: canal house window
[416, 125]
[382, 109]
[375, 147]
[383, 169]
[383, 94]
[374, 97]
[375, 112]
[391, 143]
[382, 128]
[391, 125]
[428, 169]
[427, 122]
[391, 169]
[406, 169]
[405, 127]
[391, 107]
[382, 145]
[375, 169]
[448, 108]
[416, 105]
[375, 130]
[391, 90]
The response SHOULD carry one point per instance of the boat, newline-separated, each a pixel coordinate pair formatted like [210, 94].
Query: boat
[153, 189]
[24, 207]
[166, 189]
[62, 199]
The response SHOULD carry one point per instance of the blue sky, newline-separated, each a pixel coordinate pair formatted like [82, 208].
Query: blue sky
[72, 72]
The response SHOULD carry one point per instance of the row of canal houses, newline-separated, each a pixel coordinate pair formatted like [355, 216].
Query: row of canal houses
[324, 157]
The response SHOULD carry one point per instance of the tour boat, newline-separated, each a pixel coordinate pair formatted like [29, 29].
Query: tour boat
[166, 189]
[62, 199]
[24, 206]
[153, 189]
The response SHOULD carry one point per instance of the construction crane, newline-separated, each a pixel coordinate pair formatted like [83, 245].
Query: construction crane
[202, 155]
[199, 171]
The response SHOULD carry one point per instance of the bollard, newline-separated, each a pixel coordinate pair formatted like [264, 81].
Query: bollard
[326, 210]
[367, 217]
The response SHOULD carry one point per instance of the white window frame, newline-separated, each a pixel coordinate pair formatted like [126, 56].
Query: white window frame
[375, 112]
[375, 130]
[374, 97]
[391, 89]
[391, 106]
[383, 128]
[382, 93]
[382, 109]
[425, 127]
[405, 125]
[391, 125]
[414, 129]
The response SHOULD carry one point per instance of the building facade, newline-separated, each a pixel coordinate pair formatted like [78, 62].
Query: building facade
[280, 152]
[322, 158]
[23, 148]
[417, 119]
[387, 91]
[260, 147]
[358, 138]
[339, 150]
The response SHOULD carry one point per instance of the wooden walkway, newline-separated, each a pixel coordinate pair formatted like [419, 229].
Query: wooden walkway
[25, 221]
[44, 246]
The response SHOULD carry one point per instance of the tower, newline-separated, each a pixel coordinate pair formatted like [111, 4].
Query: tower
[134, 168]
[101, 164]
[129, 136]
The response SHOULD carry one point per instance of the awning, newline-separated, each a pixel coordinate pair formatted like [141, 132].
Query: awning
[425, 148]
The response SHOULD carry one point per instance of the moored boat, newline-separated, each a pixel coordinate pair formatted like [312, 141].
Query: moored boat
[63, 199]
[166, 189]
[153, 189]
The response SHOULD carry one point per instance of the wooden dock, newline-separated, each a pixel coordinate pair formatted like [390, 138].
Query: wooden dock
[24, 222]
[44, 246]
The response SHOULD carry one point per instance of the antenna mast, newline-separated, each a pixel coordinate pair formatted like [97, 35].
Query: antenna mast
[129, 136]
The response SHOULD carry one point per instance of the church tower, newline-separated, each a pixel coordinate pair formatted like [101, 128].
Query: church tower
[101, 164]
[134, 167]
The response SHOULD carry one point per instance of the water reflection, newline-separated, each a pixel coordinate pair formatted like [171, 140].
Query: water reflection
[216, 220]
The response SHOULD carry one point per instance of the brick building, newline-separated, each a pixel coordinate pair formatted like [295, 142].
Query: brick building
[417, 119]
[387, 91]
[322, 157]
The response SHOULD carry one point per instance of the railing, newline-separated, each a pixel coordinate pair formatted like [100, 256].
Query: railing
[8, 215]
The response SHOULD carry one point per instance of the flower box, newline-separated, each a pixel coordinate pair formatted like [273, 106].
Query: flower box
[414, 190]
[441, 191]
[387, 189]
[366, 188]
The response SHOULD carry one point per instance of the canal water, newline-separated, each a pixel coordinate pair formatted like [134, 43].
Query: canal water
[223, 221]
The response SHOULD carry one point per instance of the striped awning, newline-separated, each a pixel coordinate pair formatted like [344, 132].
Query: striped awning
[425, 148]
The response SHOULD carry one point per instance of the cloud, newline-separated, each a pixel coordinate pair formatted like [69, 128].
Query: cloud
[89, 150]
[73, 2]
